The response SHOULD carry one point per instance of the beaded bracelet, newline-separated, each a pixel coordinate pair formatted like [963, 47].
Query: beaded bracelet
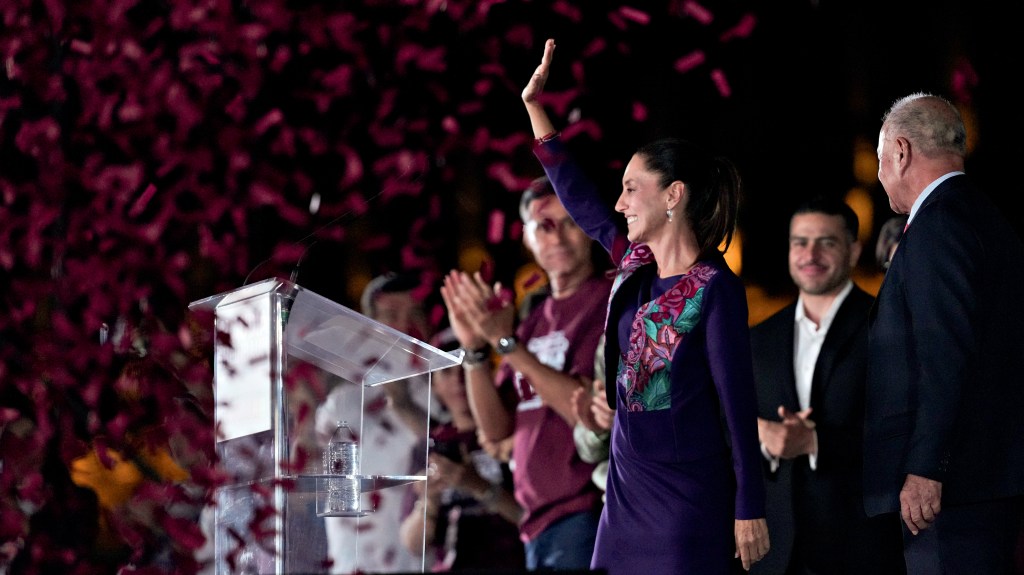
[547, 137]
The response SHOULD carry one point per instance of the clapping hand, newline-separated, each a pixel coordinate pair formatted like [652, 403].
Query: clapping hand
[478, 311]
[592, 408]
[792, 437]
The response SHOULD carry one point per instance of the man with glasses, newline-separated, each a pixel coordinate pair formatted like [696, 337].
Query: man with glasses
[530, 394]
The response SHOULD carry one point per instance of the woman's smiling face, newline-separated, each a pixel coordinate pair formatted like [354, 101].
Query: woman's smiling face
[642, 201]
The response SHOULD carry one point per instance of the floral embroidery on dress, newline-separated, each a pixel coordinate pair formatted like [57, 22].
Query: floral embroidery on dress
[658, 327]
[636, 255]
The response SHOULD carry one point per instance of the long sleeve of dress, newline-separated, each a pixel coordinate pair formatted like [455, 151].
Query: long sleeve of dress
[580, 196]
[729, 356]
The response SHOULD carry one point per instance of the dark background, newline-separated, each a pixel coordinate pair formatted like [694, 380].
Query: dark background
[153, 153]
[808, 88]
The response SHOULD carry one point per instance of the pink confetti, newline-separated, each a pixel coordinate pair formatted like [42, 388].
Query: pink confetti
[339, 80]
[589, 127]
[140, 204]
[495, 226]
[718, 77]
[567, 10]
[487, 270]
[386, 102]
[183, 531]
[482, 86]
[964, 80]
[437, 314]
[484, 6]
[315, 142]
[479, 140]
[404, 162]
[353, 167]
[743, 29]
[698, 12]
[639, 112]
[34, 135]
[520, 35]
[282, 55]
[272, 118]
[506, 146]
[502, 172]
[431, 60]
[533, 280]
[689, 61]
[638, 16]
[81, 47]
[411, 259]
[386, 136]
[9, 414]
[559, 102]
[617, 20]
[595, 47]
[470, 108]
[492, 69]
[376, 242]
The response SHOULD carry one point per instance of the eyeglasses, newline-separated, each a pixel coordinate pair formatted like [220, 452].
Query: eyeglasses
[549, 226]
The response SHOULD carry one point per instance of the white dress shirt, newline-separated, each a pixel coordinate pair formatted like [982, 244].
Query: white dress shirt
[806, 347]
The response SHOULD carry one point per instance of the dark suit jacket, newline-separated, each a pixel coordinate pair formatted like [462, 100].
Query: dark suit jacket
[816, 517]
[945, 394]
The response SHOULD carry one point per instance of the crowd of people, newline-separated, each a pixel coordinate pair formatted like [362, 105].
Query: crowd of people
[631, 421]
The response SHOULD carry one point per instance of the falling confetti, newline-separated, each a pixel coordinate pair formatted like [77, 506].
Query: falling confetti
[159, 153]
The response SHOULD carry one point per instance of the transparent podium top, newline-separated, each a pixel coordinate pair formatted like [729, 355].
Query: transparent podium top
[338, 339]
[274, 417]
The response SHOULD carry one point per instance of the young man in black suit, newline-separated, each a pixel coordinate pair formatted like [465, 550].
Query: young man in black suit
[810, 363]
[944, 443]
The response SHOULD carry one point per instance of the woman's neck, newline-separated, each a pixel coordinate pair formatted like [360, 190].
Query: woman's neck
[676, 254]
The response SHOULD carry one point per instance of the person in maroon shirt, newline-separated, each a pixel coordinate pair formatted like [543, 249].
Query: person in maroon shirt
[543, 362]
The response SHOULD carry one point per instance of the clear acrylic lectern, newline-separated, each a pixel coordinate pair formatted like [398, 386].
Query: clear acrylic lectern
[280, 353]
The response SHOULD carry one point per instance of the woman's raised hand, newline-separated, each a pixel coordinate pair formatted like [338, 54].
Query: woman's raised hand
[539, 120]
[535, 86]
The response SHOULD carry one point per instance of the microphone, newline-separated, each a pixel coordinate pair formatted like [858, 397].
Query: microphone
[298, 264]
[289, 298]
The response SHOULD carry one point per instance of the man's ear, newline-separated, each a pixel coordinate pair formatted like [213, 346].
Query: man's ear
[902, 150]
[529, 240]
[855, 250]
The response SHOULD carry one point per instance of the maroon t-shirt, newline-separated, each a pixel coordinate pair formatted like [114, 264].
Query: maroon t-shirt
[551, 481]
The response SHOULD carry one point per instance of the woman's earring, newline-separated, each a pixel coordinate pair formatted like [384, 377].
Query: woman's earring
[669, 214]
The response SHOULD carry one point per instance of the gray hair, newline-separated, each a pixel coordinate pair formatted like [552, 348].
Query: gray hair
[930, 122]
[539, 188]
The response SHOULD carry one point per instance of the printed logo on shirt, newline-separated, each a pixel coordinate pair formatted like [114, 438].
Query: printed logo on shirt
[549, 349]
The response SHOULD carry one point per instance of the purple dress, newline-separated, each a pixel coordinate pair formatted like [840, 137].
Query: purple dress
[685, 461]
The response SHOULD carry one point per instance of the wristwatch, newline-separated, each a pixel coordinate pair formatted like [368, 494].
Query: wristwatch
[506, 345]
[474, 356]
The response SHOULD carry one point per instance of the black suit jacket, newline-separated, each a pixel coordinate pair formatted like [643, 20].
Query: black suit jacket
[945, 394]
[816, 517]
